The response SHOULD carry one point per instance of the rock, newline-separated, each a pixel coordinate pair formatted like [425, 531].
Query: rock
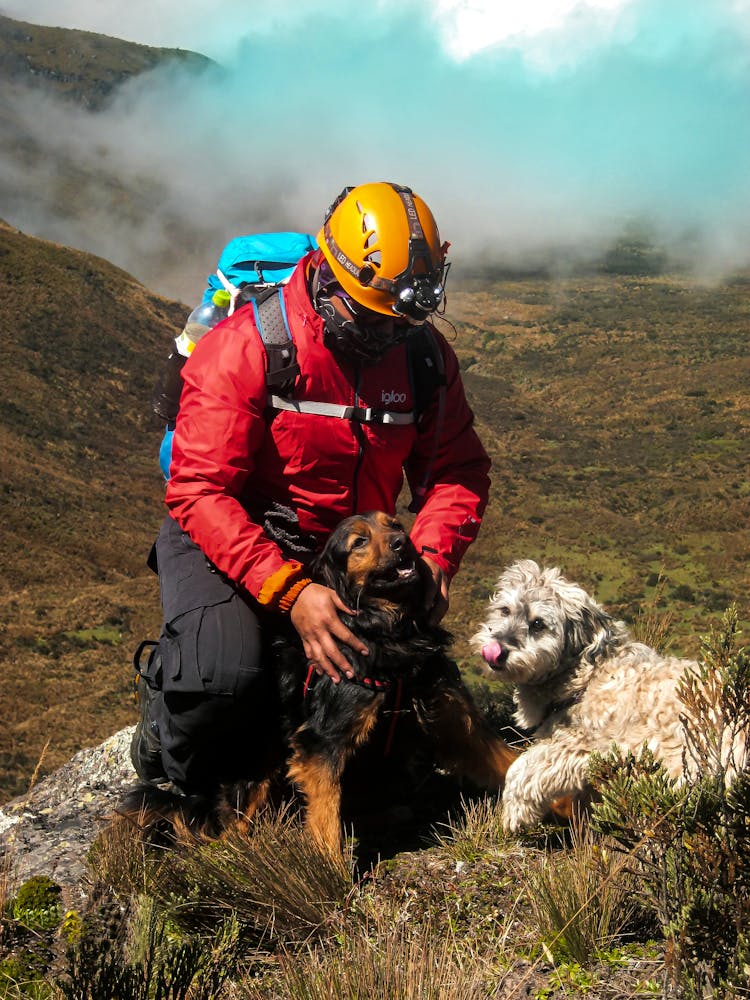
[49, 830]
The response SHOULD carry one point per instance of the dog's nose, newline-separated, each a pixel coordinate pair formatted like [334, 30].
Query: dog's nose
[398, 542]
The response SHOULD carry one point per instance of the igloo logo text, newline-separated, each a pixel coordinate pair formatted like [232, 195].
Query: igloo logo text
[390, 396]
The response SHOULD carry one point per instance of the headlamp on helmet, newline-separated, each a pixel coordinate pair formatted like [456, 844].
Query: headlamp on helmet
[418, 295]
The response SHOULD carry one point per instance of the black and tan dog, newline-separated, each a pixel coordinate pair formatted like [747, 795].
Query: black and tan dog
[371, 563]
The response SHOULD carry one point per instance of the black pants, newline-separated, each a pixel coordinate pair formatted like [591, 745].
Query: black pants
[217, 711]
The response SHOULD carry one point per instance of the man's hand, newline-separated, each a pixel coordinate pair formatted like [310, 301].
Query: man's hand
[315, 616]
[436, 598]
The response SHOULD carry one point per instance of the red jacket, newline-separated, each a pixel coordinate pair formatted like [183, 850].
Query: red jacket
[232, 458]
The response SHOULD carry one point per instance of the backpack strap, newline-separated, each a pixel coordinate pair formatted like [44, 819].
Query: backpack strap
[424, 359]
[427, 375]
[426, 368]
[271, 320]
[282, 369]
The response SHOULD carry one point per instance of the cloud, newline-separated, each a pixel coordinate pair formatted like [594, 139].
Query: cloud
[471, 26]
[553, 135]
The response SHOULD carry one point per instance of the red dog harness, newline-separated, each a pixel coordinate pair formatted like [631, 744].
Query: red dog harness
[374, 684]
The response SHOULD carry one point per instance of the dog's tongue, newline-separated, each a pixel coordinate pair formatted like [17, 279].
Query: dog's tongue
[491, 652]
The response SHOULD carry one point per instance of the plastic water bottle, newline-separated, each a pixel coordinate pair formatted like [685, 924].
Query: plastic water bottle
[203, 318]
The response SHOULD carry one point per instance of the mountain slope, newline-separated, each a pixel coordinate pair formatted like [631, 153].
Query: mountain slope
[81, 346]
[617, 411]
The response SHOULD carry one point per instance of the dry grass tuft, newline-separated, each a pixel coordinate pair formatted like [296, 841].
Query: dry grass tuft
[277, 882]
[581, 899]
[385, 956]
[477, 830]
[654, 625]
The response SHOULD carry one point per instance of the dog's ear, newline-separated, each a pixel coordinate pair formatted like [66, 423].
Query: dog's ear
[329, 568]
[591, 631]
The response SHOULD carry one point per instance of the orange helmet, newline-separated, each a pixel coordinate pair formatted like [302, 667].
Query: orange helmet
[383, 246]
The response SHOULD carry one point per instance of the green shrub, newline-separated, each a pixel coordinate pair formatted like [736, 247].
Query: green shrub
[683, 592]
[37, 904]
[689, 843]
[145, 962]
[21, 975]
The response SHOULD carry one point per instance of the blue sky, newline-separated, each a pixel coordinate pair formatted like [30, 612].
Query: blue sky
[524, 125]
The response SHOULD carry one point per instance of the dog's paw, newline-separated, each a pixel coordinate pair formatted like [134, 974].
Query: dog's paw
[520, 813]
[523, 807]
[519, 816]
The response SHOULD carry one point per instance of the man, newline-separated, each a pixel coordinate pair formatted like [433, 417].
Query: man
[255, 489]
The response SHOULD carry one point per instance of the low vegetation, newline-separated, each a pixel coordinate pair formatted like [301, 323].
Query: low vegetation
[648, 897]
[687, 846]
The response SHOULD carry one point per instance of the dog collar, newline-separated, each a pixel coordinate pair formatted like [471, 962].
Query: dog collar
[372, 684]
[553, 708]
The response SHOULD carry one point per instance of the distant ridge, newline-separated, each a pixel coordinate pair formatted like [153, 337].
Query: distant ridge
[81, 66]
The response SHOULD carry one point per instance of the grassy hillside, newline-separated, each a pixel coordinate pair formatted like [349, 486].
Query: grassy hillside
[80, 493]
[616, 410]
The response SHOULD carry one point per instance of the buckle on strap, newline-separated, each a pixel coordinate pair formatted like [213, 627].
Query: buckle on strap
[366, 415]
[362, 414]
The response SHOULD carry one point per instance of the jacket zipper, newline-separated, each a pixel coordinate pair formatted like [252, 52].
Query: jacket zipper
[359, 435]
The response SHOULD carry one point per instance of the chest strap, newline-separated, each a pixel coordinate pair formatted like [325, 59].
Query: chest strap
[362, 414]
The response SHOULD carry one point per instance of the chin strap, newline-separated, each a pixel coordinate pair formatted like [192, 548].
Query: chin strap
[357, 342]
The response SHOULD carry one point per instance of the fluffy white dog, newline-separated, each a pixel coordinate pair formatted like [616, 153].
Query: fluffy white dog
[581, 683]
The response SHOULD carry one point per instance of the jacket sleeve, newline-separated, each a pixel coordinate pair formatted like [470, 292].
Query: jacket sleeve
[219, 429]
[449, 453]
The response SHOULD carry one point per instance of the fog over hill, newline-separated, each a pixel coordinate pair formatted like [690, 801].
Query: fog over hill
[540, 148]
[64, 172]
[81, 66]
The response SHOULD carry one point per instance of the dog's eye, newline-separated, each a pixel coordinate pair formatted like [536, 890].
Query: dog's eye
[359, 542]
[537, 625]
[505, 612]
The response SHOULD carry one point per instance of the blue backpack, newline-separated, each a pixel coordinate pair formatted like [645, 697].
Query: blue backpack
[251, 269]
[260, 261]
